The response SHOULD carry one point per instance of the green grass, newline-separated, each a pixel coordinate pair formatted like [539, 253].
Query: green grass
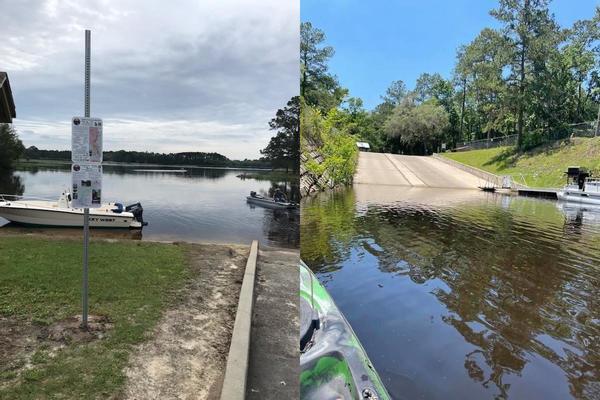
[40, 282]
[541, 167]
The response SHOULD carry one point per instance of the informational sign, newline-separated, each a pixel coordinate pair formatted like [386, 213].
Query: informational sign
[86, 188]
[86, 140]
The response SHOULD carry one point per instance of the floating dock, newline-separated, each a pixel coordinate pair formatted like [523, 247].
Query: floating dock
[539, 192]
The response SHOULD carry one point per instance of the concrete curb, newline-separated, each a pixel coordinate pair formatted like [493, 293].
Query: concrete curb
[236, 371]
[488, 176]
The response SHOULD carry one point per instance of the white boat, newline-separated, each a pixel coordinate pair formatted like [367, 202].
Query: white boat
[580, 187]
[60, 213]
[269, 202]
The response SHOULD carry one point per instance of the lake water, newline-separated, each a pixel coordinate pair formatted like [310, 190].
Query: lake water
[463, 294]
[201, 205]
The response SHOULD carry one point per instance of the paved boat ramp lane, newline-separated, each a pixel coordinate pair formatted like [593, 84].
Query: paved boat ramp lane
[264, 352]
[413, 171]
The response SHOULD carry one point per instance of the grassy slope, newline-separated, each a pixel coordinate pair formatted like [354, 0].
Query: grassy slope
[40, 280]
[541, 167]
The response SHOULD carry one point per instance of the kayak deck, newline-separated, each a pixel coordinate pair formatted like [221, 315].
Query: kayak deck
[333, 363]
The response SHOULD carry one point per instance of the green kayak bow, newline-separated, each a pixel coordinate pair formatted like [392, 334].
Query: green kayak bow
[333, 363]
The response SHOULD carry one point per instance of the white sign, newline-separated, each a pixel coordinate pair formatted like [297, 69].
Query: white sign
[86, 189]
[86, 140]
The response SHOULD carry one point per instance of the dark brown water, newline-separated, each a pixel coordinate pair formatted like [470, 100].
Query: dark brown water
[461, 294]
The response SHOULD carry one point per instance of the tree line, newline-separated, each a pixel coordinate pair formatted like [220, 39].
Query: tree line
[529, 77]
[144, 157]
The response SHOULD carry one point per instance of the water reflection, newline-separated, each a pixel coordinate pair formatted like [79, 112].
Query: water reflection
[463, 295]
[204, 173]
[283, 226]
[11, 183]
[202, 204]
[578, 215]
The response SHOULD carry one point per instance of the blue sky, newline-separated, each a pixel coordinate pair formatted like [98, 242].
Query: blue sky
[379, 41]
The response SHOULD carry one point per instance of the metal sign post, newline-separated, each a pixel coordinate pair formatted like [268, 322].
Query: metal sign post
[86, 211]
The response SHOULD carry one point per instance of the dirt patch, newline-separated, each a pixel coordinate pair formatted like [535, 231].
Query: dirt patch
[18, 342]
[21, 339]
[70, 331]
[187, 354]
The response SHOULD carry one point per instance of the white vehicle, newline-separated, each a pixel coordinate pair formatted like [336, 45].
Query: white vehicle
[580, 187]
[61, 214]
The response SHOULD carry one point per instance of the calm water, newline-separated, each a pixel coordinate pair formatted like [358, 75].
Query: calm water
[462, 294]
[203, 205]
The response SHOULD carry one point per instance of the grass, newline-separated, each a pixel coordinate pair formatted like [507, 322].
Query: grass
[541, 167]
[40, 283]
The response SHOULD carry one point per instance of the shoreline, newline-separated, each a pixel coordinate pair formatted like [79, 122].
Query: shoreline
[118, 164]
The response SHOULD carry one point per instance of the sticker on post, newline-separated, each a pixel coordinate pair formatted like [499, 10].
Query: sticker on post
[86, 140]
[86, 189]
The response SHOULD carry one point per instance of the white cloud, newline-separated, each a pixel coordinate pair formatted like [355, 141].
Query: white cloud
[166, 76]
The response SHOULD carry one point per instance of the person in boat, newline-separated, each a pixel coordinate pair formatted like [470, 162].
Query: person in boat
[279, 196]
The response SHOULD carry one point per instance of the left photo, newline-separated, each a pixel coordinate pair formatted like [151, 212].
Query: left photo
[149, 200]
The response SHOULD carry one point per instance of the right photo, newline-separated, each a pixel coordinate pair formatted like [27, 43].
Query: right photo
[450, 212]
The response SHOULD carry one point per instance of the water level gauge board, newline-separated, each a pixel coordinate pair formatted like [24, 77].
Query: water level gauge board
[86, 140]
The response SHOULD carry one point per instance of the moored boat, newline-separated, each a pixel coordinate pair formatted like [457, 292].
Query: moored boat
[333, 363]
[60, 213]
[580, 187]
[270, 202]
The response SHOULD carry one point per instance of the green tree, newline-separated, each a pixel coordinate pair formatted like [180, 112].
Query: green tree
[531, 33]
[318, 87]
[420, 128]
[434, 86]
[582, 53]
[485, 109]
[395, 93]
[11, 147]
[283, 149]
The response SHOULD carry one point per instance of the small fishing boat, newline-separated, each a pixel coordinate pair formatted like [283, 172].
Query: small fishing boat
[580, 187]
[60, 213]
[269, 202]
[333, 363]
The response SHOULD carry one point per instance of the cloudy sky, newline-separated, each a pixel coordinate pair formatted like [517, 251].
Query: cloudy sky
[203, 75]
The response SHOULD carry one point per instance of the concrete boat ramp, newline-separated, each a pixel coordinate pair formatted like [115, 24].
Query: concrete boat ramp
[414, 171]
[420, 172]
[264, 351]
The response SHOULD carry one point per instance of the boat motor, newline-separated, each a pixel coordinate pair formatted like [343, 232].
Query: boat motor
[577, 176]
[137, 210]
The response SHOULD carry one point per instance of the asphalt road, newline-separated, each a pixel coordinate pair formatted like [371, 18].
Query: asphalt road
[415, 171]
